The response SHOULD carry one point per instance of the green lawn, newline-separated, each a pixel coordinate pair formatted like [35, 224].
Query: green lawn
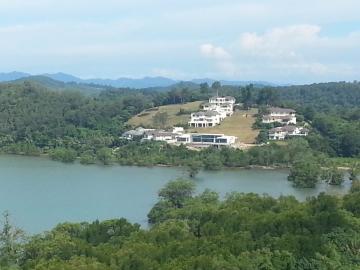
[144, 118]
[239, 125]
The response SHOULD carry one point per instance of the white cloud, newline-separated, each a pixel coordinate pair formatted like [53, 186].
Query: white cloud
[211, 51]
[222, 58]
[296, 52]
[280, 42]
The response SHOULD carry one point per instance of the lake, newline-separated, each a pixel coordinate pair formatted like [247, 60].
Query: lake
[40, 193]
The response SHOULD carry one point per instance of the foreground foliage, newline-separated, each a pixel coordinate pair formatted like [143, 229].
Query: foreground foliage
[243, 231]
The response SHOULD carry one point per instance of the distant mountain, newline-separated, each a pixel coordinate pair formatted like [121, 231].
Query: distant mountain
[134, 83]
[146, 82]
[55, 85]
[63, 77]
[11, 76]
[42, 80]
[120, 83]
[233, 83]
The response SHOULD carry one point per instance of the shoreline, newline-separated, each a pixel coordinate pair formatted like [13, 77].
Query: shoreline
[250, 167]
[115, 163]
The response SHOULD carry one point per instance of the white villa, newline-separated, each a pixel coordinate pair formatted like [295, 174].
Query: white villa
[198, 139]
[280, 115]
[280, 133]
[160, 135]
[225, 110]
[138, 132]
[221, 104]
[177, 136]
[163, 135]
[222, 100]
[205, 119]
[213, 112]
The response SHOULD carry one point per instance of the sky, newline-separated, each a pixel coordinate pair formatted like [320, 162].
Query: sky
[280, 41]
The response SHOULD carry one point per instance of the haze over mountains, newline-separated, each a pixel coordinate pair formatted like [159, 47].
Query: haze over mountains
[140, 83]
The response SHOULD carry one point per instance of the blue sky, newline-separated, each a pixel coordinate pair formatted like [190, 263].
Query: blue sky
[275, 40]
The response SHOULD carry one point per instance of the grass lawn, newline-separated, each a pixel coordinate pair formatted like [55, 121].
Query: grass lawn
[239, 125]
[144, 118]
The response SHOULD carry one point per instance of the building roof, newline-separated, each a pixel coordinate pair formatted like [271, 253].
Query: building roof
[158, 133]
[288, 128]
[281, 110]
[283, 129]
[135, 132]
[269, 117]
[226, 97]
[226, 104]
[230, 98]
[275, 130]
[206, 113]
[218, 135]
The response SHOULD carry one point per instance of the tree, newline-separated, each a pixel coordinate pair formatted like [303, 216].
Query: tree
[87, 158]
[333, 175]
[355, 186]
[262, 137]
[159, 212]
[354, 172]
[104, 155]
[213, 162]
[267, 96]
[298, 148]
[216, 85]
[185, 95]
[193, 168]
[352, 200]
[160, 119]
[177, 192]
[11, 238]
[304, 173]
[350, 141]
[75, 263]
[246, 96]
[66, 155]
[204, 88]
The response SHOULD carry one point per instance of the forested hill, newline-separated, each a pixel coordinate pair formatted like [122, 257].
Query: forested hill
[320, 94]
[31, 112]
[50, 84]
[323, 94]
[45, 114]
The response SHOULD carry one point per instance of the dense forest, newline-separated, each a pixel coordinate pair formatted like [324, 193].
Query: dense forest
[201, 231]
[37, 118]
[333, 110]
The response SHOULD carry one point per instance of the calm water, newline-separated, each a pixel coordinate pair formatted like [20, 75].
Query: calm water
[40, 193]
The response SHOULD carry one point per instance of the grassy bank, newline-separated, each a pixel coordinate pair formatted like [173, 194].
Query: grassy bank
[145, 118]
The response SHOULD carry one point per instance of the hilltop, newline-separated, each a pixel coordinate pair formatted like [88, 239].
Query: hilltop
[239, 124]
